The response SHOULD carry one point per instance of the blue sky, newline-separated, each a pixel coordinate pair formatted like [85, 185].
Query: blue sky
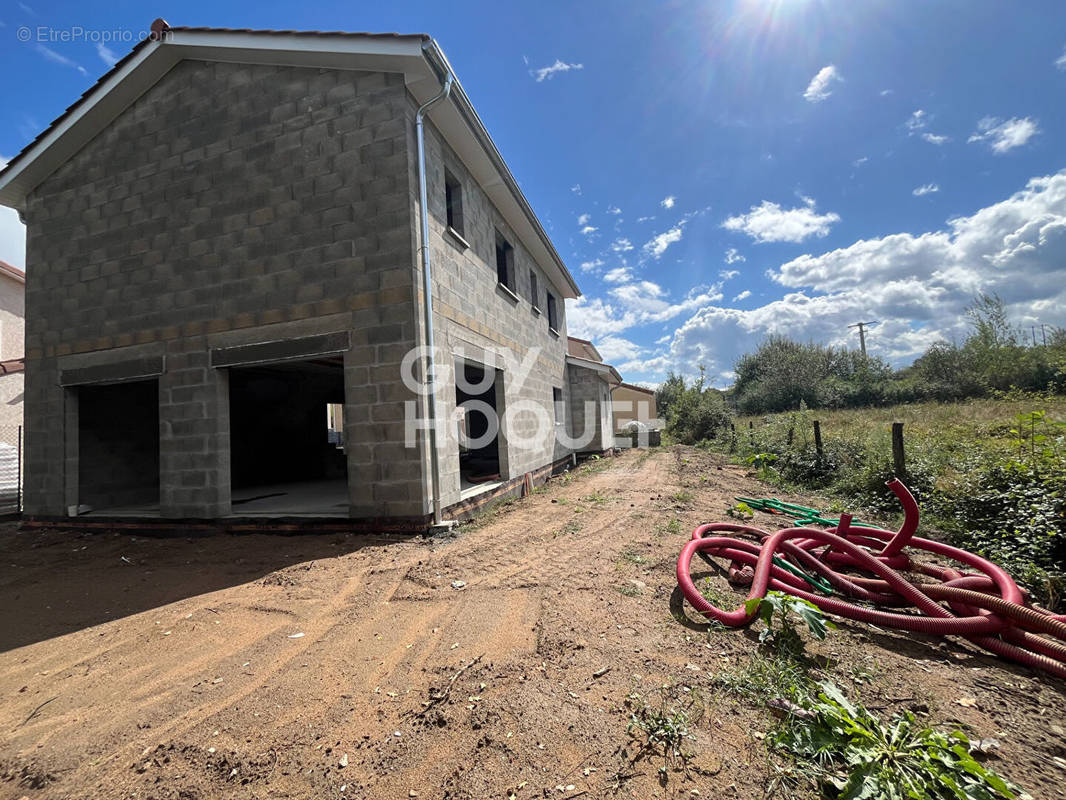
[716, 171]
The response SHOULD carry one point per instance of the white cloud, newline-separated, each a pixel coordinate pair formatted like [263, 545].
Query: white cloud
[618, 275]
[12, 234]
[916, 124]
[733, 256]
[621, 245]
[819, 87]
[651, 303]
[728, 274]
[614, 210]
[588, 230]
[106, 54]
[645, 219]
[742, 296]
[1060, 62]
[616, 348]
[887, 92]
[768, 222]
[658, 245]
[668, 202]
[593, 265]
[858, 162]
[576, 188]
[630, 305]
[583, 219]
[918, 120]
[59, 58]
[1005, 135]
[926, 188]
[918, 285]
[547, 73]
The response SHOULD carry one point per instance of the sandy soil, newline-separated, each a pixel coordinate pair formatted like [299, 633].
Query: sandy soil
[349, 667]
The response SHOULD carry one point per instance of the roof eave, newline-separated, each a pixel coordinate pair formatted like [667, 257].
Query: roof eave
[417, 56]
[439, 62]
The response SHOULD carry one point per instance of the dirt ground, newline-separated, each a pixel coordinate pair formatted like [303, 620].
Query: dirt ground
[348, 666]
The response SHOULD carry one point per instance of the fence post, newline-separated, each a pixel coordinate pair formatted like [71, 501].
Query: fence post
[818, 438]
[751, 433]
[732, 437]
[791, 434]
[898, 461]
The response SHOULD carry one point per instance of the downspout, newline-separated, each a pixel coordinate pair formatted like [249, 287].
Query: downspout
[427, 292]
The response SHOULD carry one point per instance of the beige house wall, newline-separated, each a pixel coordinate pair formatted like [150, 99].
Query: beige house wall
[12, 332]
[641, 406]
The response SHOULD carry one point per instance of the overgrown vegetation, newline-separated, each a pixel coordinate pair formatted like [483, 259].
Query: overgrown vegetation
[837, 745]
[694, 412]
[849, 752]
[660, 724]
[782, 374]
[989, 474]
[994, 483]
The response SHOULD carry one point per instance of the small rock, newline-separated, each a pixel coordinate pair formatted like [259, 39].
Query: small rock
[458, 584]
[343, 762]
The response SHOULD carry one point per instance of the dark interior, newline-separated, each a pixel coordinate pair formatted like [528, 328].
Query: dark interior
[278, 423]
[479, 464]
[118, 444]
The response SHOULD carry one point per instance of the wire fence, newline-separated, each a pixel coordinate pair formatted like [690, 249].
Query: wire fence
[10, 469]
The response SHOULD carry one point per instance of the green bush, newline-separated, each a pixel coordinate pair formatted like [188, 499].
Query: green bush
[782, 374]
[694, 413]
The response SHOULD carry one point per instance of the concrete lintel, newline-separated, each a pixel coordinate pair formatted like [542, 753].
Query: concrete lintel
[283, 350]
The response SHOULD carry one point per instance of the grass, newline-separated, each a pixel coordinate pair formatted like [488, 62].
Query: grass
[989, 474]
[681, 497]
[660, 722]
[597, 497]
[941, 433]
[766, 676]
[630, 556]
[672, 527]
[569, 529]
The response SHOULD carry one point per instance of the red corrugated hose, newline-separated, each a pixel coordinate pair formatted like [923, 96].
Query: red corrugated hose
[985, 606]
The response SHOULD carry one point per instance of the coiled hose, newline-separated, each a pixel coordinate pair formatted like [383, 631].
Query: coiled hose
[986, 606]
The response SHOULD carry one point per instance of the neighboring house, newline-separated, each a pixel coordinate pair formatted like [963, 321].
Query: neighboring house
[12, 301]
[12, 314]
[591, 383]
[224, 257]
[634, 403]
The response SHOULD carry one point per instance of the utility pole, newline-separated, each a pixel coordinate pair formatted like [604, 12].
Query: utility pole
[862, 334]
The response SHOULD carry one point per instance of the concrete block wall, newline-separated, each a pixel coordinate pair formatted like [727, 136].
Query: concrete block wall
[474, 314]
[229, 203]
[587, 386]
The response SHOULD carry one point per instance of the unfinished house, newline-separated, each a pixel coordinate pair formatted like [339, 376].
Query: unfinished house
[591, 383]
[226, 278]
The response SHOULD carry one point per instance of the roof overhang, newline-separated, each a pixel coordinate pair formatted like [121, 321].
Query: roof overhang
[416, 56]
[605, 371]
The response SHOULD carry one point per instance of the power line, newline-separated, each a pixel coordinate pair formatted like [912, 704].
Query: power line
[862, 333]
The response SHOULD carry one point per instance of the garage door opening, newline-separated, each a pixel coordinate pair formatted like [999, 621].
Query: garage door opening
[118, 448]
[287, 455]
[478, 400]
